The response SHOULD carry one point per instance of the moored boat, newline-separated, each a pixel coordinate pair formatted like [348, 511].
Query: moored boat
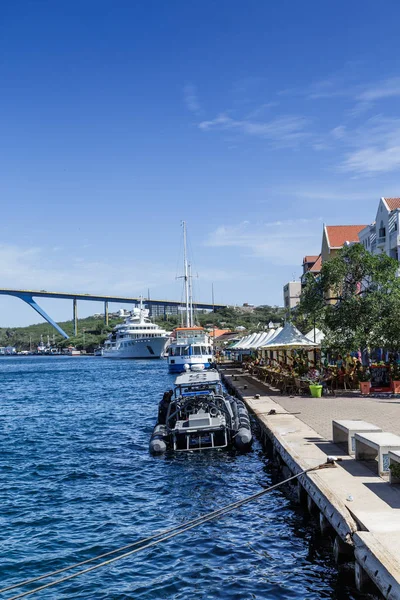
[199, 415]
[136, 337]
[190, 347]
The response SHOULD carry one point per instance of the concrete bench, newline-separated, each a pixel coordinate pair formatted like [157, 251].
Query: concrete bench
[394, 459]
[376, 446]
[343, 432]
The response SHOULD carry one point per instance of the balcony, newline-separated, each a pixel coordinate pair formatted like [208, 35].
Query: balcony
[394, 241]
[381, 241]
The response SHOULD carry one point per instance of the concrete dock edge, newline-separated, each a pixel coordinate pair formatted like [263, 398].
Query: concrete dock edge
[296, 445]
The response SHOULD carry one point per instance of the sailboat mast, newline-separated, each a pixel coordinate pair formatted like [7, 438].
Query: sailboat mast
[186, 277]
[190, 286]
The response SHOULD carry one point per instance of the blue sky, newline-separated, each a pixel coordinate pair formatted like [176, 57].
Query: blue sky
[256, 122]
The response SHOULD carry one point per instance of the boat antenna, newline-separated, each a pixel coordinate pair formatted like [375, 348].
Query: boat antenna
[213, 305]
[185, 276]
[190, 287]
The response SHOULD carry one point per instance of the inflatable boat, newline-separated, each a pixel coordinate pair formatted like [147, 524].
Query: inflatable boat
[199, 415]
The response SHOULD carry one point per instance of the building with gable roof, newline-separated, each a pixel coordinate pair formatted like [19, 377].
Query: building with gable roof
[311, 264]
[383, 234]
[334, 237]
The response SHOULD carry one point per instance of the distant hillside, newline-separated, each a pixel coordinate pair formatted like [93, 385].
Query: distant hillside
[92, 331]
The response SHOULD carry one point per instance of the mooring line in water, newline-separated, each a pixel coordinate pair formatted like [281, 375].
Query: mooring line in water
[167, 533]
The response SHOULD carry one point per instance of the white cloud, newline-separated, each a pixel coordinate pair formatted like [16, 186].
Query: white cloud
[34, 268]
[279, 242]
[338, 132]
[375, 147]
[373, 160]
[286, 130]
[386, 88]
[327, 193]
[260, 110]
[191, 99]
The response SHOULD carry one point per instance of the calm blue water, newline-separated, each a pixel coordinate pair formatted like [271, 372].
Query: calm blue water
[76, 480]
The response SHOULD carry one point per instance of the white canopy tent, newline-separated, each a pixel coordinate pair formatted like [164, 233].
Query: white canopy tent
[254, 344]
[246, 345]
[242, 343]
[261, 339]
[318, 337]
[254, 340]
[289, 338]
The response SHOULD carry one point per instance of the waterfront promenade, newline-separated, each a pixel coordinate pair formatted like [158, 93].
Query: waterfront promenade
[318, 413]
[359, 506]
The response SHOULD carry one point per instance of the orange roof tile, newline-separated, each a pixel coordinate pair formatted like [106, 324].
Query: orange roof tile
[392, 203]
[337, 235]
[217, 332]
[310, 259]
[317, 265]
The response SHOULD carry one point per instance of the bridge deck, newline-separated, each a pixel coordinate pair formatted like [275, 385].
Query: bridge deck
[101, 298]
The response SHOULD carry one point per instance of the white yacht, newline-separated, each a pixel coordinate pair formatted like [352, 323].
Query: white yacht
[136, 337]
[191, 347]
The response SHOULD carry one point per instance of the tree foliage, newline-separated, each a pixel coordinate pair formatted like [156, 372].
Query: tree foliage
[355, 300]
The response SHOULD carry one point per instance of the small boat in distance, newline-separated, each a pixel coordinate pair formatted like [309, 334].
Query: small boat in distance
[191, 346]
[199, 415]
[73, 351]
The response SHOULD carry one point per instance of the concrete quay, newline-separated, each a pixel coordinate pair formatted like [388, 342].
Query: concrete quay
[359, 507]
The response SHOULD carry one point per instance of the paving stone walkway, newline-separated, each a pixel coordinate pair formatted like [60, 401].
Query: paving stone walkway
[318, 413]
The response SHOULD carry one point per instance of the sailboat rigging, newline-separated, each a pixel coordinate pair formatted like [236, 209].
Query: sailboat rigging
[192, 347]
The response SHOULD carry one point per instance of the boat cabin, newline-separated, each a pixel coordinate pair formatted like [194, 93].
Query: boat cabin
[201, 383]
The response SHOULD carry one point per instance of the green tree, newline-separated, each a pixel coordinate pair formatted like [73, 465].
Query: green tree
[354, 299]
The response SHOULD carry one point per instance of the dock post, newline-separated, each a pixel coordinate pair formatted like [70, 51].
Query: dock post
[301, 494]
[75, 316]
[324, 525]
[311, 506]
[362, 579]
[106, 313]
[342, 552]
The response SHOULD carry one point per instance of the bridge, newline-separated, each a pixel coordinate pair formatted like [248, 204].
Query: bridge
[29, 295]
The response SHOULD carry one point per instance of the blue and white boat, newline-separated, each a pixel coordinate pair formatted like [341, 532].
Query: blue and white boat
[191, 347]
[191, 350]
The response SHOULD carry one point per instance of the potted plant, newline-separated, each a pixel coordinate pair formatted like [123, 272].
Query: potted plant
[364, 378]
[315, 387]
[395, 376]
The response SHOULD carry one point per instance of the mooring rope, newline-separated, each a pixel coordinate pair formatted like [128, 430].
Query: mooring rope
[147, 542]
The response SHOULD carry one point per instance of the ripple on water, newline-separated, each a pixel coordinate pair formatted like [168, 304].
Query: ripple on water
[76, 480]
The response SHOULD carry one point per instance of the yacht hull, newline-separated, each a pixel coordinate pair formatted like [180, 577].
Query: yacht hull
[136, 349]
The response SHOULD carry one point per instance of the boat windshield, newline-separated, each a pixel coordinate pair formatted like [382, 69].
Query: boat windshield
[199, 390]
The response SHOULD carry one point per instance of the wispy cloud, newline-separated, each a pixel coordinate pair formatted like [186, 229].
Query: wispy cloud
[34, 268]
[386, 88]
[279, 242]
[375, 147]
[285, 130]
[373, 160]
[191, 99]
[346, 83]
[261, 110]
